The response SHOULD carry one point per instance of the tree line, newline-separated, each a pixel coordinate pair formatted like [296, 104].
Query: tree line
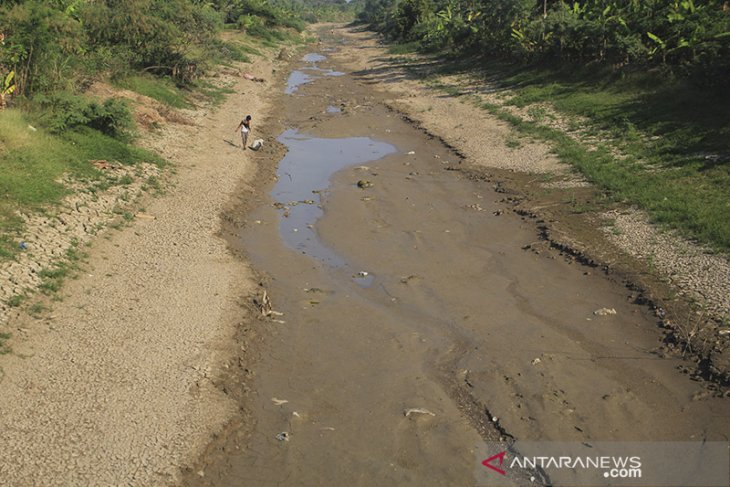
[689, 37]
[49, 45]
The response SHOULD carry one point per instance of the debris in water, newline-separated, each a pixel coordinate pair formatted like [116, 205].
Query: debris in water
[278, 402]
[410, 411]
[265, 305]
[283, 436]
[604, 312]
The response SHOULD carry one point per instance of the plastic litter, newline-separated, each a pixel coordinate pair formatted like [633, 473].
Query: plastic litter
[604, 312]
[278, 402]
[410, 411]
[283, 436]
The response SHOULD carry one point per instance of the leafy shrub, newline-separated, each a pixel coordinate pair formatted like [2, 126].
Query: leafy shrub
[40, 43]
[64, 111]
[160, 35]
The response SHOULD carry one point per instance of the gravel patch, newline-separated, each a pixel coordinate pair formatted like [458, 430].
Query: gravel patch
[696, 271]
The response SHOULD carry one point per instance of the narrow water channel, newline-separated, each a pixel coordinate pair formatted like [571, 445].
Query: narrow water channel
[415, 326]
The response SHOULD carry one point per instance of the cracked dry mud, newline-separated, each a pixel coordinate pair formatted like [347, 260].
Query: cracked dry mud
[114, 385]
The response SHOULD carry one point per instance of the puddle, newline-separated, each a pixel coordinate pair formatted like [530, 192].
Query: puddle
[314, 58]
[298, 77]
[303, 174]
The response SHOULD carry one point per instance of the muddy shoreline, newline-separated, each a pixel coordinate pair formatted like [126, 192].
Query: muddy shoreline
[559, 235]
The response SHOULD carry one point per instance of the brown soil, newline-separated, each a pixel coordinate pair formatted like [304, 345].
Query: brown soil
[158, 367]
[116, 385]
[484, 309]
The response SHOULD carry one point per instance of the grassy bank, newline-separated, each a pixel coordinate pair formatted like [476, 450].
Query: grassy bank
[33, 161]
[661, 145]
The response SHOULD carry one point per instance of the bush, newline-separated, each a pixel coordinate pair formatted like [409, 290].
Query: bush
[64, 111]
[160, 35]
[39, 44]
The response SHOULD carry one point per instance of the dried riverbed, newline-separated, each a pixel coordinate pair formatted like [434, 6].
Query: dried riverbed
[416, 321]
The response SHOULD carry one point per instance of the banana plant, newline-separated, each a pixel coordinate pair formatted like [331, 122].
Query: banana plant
[8, 87]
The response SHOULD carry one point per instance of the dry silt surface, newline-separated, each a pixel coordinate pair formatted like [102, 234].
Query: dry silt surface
[114, 384]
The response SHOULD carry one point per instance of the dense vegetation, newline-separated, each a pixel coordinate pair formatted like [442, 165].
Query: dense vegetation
[644, 82]
[692, 37]
[51, 51]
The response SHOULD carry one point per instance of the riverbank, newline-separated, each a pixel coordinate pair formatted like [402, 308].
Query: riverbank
[114, 385]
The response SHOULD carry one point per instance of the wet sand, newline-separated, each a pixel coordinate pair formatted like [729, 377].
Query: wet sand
[416, 290]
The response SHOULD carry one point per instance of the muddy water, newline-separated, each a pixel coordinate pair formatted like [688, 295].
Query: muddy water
[455, 319]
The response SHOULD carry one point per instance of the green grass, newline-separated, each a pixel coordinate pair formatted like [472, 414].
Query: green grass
[226, 51]
[160, 89]
[53, 278]
[32, 163]
[4, 337]
[672, 137]
[16, 300]
[37, 309]
[216, 95]
[404, 48]
[687, 198]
